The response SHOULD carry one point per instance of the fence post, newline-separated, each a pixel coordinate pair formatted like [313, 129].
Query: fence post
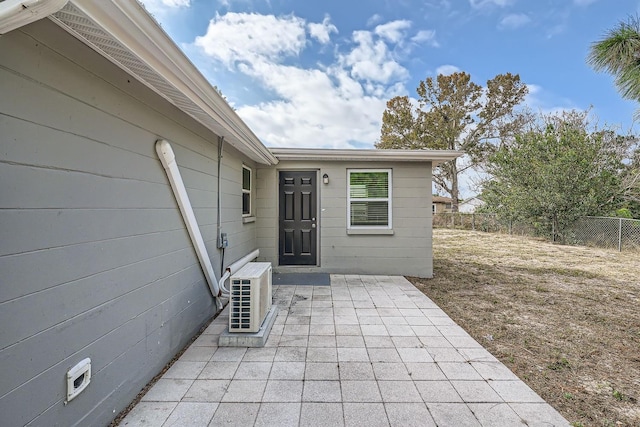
[473, 221]
[620, 235]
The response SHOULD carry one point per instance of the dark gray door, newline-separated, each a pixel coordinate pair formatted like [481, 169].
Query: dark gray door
[297, 222]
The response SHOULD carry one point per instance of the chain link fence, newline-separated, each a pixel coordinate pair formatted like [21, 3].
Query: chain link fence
[604, 232]
[487, 222]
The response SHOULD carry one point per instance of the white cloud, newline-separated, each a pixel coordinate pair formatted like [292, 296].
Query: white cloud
[447, 70]
[426, 36]
[479, 4]
[542, 101]
[322, 32]
[371, 60]
[316, 109]
[339, 104]
[533, 89]
[393, 31]
[177, 3]
[162, 7]
[514, 21]
[374, 20]
[247, 37]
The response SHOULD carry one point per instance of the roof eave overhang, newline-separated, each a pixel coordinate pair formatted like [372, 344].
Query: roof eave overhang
[350, 155]
[126, 34]
[17, 13]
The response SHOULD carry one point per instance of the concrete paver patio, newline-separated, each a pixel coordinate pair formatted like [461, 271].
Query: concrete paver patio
[365, 351]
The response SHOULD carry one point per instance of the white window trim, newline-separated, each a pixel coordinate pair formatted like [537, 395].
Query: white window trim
[389, 199]
[249, 191]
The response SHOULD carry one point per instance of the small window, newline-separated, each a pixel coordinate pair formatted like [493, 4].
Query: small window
[246, 191]
[369, 198]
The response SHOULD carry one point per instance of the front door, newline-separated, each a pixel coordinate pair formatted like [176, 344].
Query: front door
[297, 222]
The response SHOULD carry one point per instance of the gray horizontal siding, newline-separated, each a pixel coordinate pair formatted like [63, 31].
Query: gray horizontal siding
[78, 296]
[26, 230]
[40, 270]
[95, 258]
[148, 338]
[407, 251]
[89, 326]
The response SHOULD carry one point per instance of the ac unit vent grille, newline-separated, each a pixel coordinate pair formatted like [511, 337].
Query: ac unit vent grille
[240, 316]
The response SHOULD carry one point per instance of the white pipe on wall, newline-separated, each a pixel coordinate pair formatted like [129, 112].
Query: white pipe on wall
[235, 267]
[168, 159]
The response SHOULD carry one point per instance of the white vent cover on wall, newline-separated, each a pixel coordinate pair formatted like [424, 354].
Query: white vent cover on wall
[78, 378]
[250, 297]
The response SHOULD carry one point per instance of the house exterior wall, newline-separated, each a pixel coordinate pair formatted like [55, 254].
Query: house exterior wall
[439, 207]
[408, 251]
[95, 258]
[470, 206]
[441, 204]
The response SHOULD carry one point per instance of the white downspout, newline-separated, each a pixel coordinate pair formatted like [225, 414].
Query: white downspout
[168, 159]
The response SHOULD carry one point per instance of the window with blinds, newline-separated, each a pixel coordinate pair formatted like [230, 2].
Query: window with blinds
[246, 191]
[369, 198]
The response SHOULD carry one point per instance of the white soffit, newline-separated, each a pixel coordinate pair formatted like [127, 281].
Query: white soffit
[308, 154]
[124, 32]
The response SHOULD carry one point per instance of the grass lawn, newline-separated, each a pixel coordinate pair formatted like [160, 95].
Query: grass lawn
[565, 319]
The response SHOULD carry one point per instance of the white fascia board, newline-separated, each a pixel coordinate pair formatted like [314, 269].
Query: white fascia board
[128, 23]
[17, 13]
[313, 154]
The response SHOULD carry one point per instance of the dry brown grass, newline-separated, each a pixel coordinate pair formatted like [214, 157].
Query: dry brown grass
[565, 319]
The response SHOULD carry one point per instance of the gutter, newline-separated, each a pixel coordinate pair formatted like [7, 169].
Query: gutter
[349, 155]
[168, 159]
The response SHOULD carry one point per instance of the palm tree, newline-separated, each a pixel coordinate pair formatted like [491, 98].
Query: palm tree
[618, 53]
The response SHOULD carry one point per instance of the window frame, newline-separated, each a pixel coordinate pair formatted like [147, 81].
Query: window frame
[246, 191]
[388, 199]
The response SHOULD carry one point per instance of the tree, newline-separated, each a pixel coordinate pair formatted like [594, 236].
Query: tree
[618, 53]
[558, 171]
[631, 185]
[454, 113]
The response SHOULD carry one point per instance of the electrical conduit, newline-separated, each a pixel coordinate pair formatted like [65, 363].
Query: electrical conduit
[168, 159]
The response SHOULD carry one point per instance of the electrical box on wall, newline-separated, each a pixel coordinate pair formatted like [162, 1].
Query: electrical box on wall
[78, 378]
[223, 241]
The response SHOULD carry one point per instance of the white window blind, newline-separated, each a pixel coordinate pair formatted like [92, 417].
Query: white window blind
[369, 198]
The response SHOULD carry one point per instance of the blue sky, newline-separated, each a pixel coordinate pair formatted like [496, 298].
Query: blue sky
[319, 73]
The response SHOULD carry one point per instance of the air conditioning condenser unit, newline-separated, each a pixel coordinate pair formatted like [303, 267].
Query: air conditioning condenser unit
[250, 297]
